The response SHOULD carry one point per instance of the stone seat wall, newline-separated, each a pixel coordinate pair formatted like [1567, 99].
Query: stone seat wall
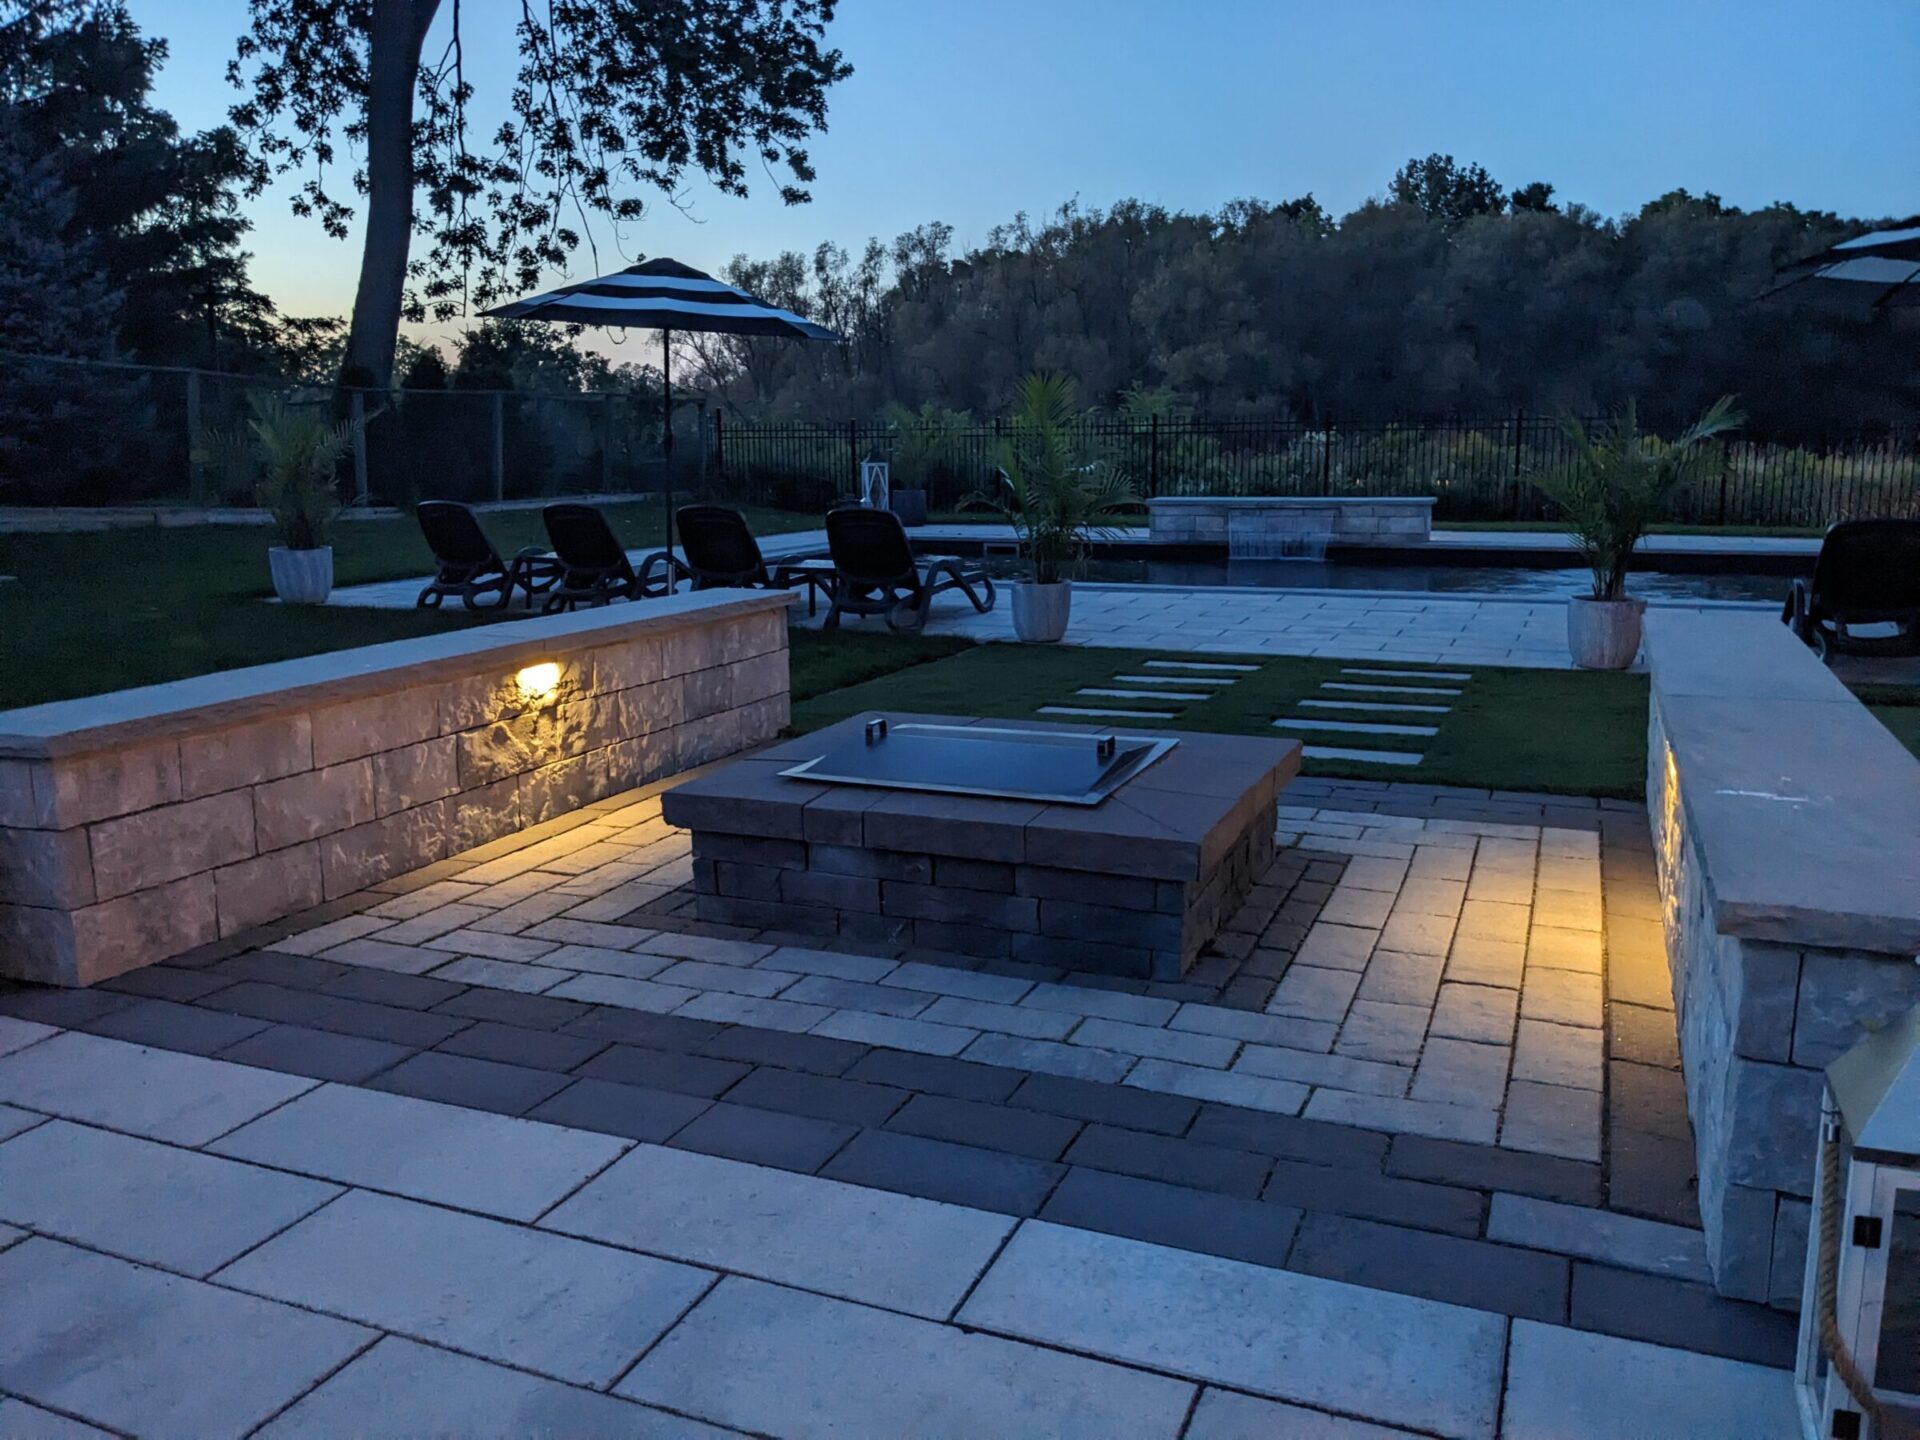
[138, 825]
[1786, 824]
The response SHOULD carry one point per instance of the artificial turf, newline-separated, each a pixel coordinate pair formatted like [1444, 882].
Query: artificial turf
[1897, 707]
[88, 613]
[1557, 731]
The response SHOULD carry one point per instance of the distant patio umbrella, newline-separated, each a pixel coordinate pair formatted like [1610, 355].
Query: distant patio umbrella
[664, 295]
[1887, 259]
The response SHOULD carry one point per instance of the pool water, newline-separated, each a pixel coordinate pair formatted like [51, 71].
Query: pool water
[1514, 580]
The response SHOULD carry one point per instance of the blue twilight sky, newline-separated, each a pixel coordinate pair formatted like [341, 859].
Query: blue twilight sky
[969, 110]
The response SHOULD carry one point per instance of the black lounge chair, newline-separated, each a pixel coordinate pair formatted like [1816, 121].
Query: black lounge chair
[593, 563]
[877, 573]
[469, 566]
[719, 551]
[1868, 573]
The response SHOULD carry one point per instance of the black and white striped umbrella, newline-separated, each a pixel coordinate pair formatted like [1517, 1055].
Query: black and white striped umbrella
[1888, 259]
[664, 295]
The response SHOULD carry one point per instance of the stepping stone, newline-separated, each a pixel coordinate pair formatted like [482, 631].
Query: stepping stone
[1162, 679]
[1106, 714]
[1579, 1386]
[1408, 674]
[1387, 1357]
[1107, 694]
[1198, 665]
[1375, 705]
[1370, 757]
[1392, 689]
[1361, 727]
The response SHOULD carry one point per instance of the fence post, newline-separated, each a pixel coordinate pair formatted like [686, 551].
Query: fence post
[1723, 486]
[853, 451]
[359, 411]
[706, 445]
[1326, 460]
[196, 463]
[499, 445]
[606, 445]
[1153, 455]
[1519, 424]
[719, 443]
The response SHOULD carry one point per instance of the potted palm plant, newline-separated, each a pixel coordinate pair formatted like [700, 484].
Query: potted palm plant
[1616, 485]
[1055, 487]
[292, 451]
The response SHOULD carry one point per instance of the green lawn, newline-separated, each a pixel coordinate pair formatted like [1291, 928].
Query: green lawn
[119, 608]
[1897, 707]
[1548, 730]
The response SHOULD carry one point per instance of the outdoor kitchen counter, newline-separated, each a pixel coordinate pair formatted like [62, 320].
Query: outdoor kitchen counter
[1134, 885]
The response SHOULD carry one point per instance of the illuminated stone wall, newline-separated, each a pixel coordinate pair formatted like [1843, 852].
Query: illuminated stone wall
[137, 826]
[1767, 811]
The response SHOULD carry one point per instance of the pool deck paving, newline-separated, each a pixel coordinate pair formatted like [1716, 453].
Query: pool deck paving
[516, 1145]
[1336, 624]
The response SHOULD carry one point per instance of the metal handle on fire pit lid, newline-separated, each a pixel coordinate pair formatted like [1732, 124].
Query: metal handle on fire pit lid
[876, 730]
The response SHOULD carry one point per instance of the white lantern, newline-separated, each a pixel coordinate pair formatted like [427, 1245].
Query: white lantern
[1858, 1373]
[873, 484]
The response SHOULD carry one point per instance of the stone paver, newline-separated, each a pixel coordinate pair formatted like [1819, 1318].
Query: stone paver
[143, 1331]
[157, 1204]
[1623, 1240]
[1224, 1415]
[494, 1164]
[1290, 1337]
[822, 1367]
[30, 1422]
[415, 1389]
[1572, 1385]
[160, 1094]
[565, 1308]
[894, 1250]
[18, 1034]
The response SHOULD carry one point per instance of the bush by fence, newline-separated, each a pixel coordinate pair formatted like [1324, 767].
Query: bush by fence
[86, 434]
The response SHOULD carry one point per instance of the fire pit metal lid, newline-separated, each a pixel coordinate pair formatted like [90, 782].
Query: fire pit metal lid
[1057, 767]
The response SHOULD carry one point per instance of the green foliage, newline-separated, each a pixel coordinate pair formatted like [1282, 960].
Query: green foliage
[924, 442]
[293, 450]
[1446, 191]
[609, 96]
[1619, 482]
[158, 210]
[1057, 486]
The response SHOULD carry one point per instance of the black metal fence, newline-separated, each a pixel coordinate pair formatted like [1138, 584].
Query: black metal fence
[90, 434]
[1475, 469]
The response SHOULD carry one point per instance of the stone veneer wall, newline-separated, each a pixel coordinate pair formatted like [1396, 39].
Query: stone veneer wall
[1761, 1013]
[1183, 520]
[1105, 924]
[137, 826]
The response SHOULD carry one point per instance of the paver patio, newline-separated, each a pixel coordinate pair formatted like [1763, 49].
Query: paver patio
[515, 1143]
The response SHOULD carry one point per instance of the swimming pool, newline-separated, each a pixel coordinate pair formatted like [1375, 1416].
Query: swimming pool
[1519, 581]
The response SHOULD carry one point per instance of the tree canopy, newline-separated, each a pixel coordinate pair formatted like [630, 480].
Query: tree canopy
[612, 97]
[1462, 300]
[157, 211]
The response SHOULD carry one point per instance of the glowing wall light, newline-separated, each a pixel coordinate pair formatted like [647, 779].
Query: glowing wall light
[538, 682]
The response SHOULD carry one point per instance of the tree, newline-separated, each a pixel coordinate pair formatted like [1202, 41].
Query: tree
[60, 425]
[157, 211]
[1447, 192]
[610, 95]
[1537, 197]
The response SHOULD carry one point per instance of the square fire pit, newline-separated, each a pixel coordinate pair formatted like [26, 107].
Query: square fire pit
[1118, 852]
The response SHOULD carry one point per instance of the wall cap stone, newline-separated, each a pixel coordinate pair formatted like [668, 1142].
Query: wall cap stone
[1804, 809]
[204, 702]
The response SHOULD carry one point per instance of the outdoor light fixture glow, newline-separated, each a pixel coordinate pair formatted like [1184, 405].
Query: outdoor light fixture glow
[538, 682]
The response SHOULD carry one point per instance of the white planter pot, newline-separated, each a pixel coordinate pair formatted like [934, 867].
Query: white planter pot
[1603, 634]
[1040, 612]
[301, 577]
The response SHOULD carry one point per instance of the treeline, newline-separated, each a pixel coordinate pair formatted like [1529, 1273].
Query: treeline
[1450, 297]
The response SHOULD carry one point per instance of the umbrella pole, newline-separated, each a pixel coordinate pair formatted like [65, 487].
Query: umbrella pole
[666, 440]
